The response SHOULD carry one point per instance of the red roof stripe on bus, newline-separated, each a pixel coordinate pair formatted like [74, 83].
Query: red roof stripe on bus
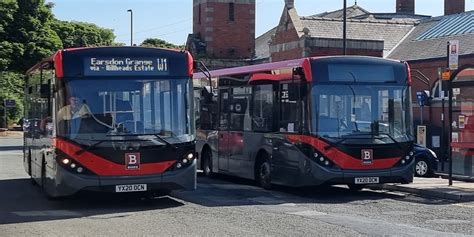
[58, 64]
[270, 77]
[307, 69]
[254, 68]
[409, 79]
[190, 64]
[341, 159]
[103, 167]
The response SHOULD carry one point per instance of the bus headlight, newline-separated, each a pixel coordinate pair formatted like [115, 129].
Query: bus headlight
[65, 161]
[190, 156]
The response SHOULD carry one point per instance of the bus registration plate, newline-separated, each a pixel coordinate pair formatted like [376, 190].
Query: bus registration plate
[130, 188]
[366, 180]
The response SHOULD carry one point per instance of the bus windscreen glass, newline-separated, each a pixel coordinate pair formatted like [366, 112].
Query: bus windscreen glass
[100, 107]
[351, 111]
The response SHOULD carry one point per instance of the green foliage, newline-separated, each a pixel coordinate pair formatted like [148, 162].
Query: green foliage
[29, 33]
[12, 84]
[26, 36]
[159, 43]
[81, 34]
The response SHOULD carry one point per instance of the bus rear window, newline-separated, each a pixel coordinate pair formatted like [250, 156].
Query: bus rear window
[360, 73]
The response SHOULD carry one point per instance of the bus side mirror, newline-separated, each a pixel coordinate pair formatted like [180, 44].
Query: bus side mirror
[45, 91]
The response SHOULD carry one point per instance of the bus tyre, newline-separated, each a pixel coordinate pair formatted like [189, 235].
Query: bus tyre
[356, 187]
[422, 168]
[28, 159]
[43, 173]
[207, 163]
[263, 174]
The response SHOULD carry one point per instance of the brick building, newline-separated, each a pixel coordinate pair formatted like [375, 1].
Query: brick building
[223, 32]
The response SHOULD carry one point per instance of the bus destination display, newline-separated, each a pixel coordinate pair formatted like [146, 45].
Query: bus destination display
[112, 66]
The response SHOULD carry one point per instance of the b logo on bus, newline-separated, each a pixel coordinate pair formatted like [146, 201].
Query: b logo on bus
[132, 161]
[367, 156]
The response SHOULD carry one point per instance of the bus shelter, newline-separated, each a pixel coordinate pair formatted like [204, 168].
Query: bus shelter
[462, 114]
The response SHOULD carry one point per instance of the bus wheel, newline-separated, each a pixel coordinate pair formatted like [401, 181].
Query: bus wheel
[207, 163]
[264, 174]
[43, 173]
[28, 159]
[355, 187]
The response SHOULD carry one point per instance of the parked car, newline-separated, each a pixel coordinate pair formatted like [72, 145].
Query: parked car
[426, 161]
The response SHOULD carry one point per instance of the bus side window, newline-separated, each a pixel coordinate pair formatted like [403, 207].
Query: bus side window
[289, 111]
[262, 109]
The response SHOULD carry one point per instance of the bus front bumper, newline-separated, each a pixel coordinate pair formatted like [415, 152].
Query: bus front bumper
[68, 183]
[320, 175]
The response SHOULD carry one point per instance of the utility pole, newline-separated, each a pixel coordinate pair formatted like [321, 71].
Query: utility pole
[344, 28]
[131, 26]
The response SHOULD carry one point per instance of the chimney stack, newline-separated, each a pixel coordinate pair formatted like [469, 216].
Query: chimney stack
[406, 6]
[290, 3]
[454, 6]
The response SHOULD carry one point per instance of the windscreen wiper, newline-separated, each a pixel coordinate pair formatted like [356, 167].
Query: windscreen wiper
[393, 139]
[146, 134]
[90, 147]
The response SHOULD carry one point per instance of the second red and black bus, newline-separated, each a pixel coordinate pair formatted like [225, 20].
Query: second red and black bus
[310, 121]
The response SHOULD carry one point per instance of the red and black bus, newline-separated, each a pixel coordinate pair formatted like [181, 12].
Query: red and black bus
[310, 121]
[111, 119]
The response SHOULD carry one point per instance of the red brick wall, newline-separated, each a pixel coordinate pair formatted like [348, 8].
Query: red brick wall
[225, 34]
[288, 54]
[454, 6]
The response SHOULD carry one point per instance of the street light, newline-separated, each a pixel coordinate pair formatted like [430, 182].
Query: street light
[344, 28]
[131, 26]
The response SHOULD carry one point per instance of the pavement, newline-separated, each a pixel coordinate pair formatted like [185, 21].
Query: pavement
[436, 187]
[10, 134]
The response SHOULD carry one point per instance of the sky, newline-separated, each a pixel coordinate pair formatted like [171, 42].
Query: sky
[171, 20]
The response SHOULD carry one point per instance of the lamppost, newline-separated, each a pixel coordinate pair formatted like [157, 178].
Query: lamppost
[131, 26]
[344, 28]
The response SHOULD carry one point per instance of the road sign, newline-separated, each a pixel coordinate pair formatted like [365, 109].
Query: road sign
[453, 52]
[10, 103]
[421, 135]
[423, 97]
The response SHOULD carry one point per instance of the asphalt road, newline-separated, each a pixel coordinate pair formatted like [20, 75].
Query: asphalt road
[222, 206]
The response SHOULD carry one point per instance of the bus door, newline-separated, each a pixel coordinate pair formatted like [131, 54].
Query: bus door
[285, 154]
[223, 145]
[240, 121]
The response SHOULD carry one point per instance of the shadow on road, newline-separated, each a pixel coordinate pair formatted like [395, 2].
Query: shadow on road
[230, 191]
[21, 202]
[11, 148]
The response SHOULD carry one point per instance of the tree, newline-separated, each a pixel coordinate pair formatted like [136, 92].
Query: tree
[81, 34]
[27, 36]
[159, 43]
[12, 88]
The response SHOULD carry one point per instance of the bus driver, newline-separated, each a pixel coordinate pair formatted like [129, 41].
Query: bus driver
[75, 109]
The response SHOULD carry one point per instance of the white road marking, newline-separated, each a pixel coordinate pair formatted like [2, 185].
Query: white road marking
[307, 213]
[463, 205]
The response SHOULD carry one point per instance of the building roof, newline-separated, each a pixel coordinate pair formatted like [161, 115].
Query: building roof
[390, 28]
[389, 31]
[352, 11]
[429, 38]
[262, 50]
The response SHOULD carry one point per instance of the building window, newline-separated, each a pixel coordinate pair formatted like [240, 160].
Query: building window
[231, 12]
[199, 14]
